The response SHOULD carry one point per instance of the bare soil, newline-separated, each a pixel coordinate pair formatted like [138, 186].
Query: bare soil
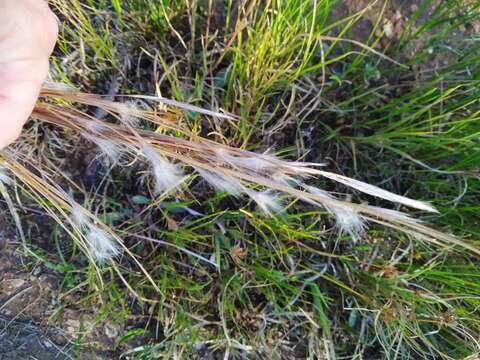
[28, 304]
[395, 18]
[24, 302]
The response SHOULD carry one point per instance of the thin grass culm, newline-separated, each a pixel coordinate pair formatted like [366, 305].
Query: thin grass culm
[261, 177]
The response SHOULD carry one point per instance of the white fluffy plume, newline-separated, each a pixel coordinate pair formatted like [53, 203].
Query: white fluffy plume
[79, 217]
[266, 201]
[102, 245]
[128, 114]
[167, 175]
[109, 148]
[222, 182]
[348, 220]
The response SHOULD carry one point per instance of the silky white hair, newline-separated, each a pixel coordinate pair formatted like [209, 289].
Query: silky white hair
[267, 201]
[347, 219]
[167, 176]
[110, 149]
[222, 182]
[101, 244]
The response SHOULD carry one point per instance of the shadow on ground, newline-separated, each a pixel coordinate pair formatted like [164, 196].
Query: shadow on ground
[23, 340]
[26, 306]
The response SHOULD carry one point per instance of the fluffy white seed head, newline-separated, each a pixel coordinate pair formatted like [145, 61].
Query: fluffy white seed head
[167, 175]
[347, 219]
[266, 201]
[222, 182]
[128, 114]
[80, 218]
[285, 180]
[101, 244]
[110, 149]
[255, 163]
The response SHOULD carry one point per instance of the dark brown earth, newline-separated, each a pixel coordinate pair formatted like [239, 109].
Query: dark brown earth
[35, 324]
[34, 321]
[27, 301]
[23, 308]
[25, 340]
[396, 18]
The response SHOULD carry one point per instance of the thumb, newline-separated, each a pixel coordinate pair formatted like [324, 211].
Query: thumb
[28, 30]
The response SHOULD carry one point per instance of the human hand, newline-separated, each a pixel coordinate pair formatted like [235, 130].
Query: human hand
[28, 32]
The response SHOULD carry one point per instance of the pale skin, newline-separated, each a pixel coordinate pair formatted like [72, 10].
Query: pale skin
[28, 32]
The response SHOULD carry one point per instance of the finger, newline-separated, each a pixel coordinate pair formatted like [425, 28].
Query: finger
[10, 128]
[24, 66]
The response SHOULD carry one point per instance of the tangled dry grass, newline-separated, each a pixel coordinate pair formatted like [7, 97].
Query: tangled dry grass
[234, 171]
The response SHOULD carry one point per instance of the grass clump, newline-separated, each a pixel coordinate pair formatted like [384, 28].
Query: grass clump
[266, 83]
